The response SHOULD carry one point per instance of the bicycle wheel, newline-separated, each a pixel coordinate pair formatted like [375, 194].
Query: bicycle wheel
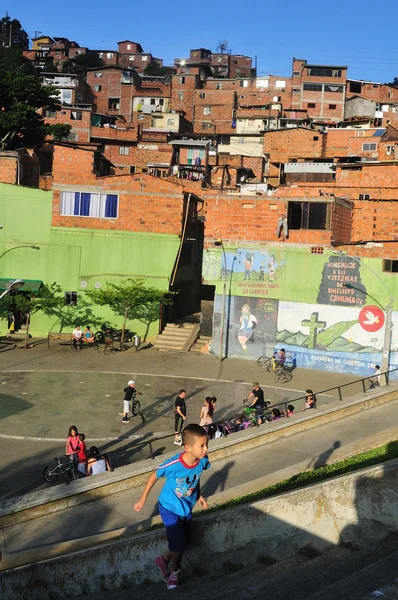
[136, 408]
[99, 337]
[264, 362]
[50, 474]
[281, 376]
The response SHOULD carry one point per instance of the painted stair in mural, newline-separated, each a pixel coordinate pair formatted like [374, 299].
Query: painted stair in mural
[177, 337]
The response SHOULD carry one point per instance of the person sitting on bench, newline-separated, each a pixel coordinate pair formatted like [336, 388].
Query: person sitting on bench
[88, 335]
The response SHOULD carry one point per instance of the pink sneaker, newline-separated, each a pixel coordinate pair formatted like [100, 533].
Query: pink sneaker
[173, 580]
[163, 567]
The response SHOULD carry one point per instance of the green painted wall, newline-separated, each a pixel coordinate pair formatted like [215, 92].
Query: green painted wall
[297, 275]
[69, 255]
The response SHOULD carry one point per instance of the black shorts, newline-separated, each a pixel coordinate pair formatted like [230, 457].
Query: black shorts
[179, 422]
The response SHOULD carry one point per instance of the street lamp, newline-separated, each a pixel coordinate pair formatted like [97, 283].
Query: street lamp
[219, 242]
[33, 247]
[388, 310]
[12, 287]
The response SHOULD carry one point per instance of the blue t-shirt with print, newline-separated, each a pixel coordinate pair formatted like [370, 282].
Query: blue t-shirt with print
[179, 493]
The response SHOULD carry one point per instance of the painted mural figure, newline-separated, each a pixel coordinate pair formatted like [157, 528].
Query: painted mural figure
[248, 266]
[247, 323]
[261, 274]
[271, 268]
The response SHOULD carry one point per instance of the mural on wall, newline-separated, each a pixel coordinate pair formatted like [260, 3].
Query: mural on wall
[326, 317]
[325, 338]
[249, 325]
[341, 283]
[251, 272]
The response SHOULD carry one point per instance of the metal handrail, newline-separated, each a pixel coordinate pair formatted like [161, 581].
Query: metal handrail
[285, 403]
[337, 387]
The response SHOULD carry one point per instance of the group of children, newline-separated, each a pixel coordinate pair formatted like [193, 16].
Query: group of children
[89, 462]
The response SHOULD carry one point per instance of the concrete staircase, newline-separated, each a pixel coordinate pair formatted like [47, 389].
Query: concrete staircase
[177, 337]
[351, 573]
[199, 344]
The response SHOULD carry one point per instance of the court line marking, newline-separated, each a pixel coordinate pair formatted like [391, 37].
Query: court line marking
[132, 437]
[273, 387]
[22, 438]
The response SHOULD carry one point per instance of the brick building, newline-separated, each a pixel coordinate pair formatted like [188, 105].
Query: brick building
[320, 89]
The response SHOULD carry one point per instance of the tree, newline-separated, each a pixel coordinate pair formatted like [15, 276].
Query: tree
[59, 131]
[81, 63]
[393, 83]
[12, 34]
[21, 95]
[155, 69]
[129, 299]
[69, 316]
[222, 46]
[46, 299]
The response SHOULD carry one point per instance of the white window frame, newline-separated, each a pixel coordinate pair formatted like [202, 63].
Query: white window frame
[67, 205]
[369, 149]
[280, 84]
[124, 150]
[207, 110]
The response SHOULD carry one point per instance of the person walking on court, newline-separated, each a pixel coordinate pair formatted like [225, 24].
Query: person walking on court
[180, 408]
[129, 393]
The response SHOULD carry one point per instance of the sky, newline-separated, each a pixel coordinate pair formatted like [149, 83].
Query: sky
[360, 34]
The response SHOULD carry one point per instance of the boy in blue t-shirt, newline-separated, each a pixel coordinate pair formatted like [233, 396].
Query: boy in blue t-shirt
[178, 497]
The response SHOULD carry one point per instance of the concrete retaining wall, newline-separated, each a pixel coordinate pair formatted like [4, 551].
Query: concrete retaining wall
[352, 509]
[43, 502]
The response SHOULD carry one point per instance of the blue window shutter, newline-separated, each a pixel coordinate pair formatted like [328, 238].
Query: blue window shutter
[111, 206]
[77, 204]
[85, 205]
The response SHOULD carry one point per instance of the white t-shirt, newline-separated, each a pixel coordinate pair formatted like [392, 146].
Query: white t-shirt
[377, 374]
[77, 333]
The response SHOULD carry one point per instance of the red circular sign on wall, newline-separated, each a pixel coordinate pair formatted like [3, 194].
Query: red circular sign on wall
[371, 318]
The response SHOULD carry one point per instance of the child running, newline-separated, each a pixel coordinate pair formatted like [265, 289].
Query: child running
[178, 497]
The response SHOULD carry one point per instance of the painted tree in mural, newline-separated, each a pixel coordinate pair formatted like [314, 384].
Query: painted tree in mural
[46, 300]
[130, 299]
[341, 283]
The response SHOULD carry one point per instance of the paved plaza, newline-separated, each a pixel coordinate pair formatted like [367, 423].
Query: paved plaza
[43, 391]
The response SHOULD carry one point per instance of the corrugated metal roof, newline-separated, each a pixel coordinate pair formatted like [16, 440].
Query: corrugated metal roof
[190, 142]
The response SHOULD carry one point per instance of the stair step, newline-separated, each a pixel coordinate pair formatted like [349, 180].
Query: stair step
[363, 581]
[183, 326]
[169, 336]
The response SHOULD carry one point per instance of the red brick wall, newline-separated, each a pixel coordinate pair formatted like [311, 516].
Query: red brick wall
[146, 204]
[8, 167]
[184, 105]
[294, 143]
[376, 92]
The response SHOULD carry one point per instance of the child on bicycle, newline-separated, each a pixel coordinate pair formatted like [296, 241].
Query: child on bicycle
[279, 358]
[129, 393]
[178, 497]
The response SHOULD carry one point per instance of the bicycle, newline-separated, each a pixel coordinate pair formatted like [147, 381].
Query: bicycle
[66, 466]
[250, 412]
[283, 373]
[136, 407]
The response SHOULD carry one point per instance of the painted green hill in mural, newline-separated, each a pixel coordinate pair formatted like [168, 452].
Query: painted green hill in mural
[293, 339]
[329, 335]
[329, 339]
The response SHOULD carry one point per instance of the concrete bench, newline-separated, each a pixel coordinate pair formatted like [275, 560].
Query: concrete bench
[62, 338]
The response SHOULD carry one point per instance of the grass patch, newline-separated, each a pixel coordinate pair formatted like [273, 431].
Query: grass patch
[353, 463]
